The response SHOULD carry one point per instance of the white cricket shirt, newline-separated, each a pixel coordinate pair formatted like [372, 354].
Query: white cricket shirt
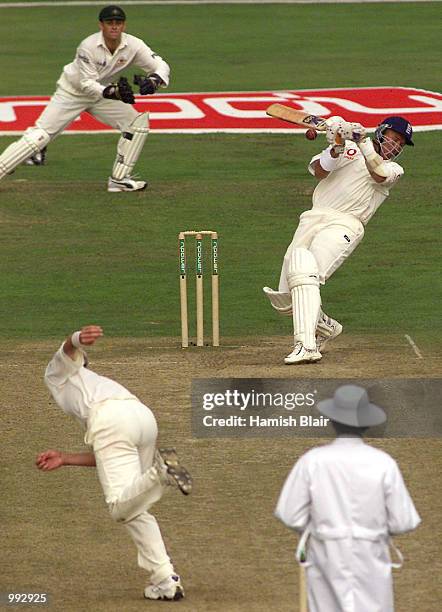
[77, 389]
[347, 489]
[95, 67]
[351, 498]
[350, 188]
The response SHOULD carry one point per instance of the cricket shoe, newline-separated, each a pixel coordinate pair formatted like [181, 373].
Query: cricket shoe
[39, 159]
[169, 589]
[327, 329]
[167, 463]
[126, 184]
[300, 354]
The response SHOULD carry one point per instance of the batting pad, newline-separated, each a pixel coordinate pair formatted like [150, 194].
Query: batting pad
[32, 141]
[326, 325]
[130, 146]
[281, 302]
[303, 281]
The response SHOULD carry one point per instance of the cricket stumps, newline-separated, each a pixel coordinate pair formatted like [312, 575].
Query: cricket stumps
[199, 287]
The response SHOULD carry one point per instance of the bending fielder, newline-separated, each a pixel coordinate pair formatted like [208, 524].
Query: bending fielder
[90, 83]
[122, 432]
[355, 177]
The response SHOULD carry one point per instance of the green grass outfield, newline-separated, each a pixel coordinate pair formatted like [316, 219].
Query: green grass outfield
[71, 253]
[240, 47]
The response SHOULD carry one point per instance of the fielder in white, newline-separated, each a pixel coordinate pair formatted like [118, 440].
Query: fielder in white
[347, 499]
[91, 83]
[122, 432]
[355, 177]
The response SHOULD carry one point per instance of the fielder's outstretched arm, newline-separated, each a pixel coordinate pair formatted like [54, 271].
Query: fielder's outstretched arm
[54, 459]
[85, 337]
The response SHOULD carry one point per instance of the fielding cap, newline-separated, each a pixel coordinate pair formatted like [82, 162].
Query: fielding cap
[398, 124]
[108, 13]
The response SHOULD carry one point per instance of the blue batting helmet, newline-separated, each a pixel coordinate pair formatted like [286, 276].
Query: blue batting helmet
[399, 125]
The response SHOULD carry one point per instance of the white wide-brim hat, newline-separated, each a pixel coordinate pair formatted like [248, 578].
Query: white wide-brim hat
[350, 406]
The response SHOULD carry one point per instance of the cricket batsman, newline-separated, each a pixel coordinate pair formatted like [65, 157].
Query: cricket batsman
[92, 83]
[355, 176]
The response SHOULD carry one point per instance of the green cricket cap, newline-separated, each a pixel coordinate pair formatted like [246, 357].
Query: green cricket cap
[108, 13]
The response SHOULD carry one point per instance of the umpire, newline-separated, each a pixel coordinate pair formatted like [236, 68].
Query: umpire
[348, 498]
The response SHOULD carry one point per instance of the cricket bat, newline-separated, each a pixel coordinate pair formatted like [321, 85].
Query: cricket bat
[286, 113]
[291, 115]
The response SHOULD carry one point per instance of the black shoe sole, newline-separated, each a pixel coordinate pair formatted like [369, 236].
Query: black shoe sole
[174, 468]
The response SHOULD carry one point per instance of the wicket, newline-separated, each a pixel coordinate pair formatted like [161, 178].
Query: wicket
[199, 272]
[303, 605]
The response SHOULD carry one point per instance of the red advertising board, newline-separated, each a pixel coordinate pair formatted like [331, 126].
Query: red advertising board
[245, 111]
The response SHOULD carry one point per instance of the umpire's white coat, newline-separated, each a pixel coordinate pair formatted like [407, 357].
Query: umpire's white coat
[352, 498]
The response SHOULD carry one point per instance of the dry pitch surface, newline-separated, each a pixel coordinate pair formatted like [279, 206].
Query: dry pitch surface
[232, 554]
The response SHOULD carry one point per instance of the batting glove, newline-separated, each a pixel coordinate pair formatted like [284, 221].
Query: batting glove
[333, 124]
[352, 131]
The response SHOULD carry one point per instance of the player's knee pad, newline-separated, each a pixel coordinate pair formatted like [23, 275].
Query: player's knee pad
[130, 146]
[303, 269]
[33, 140]
[36, 138]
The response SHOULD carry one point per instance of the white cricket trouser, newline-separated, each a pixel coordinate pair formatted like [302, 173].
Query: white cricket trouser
[327, 233]
[64, 107]
[123, 434]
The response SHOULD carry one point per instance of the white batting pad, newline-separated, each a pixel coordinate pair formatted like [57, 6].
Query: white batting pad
[130, 146]
[303, 280]
[32, 141]
[281, 302]
[326, 325]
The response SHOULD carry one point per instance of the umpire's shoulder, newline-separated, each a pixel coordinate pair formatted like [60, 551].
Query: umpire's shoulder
[381, 453]
[379, 456]
[316, 453]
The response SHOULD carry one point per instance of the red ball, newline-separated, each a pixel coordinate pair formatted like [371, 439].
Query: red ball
[311, 134]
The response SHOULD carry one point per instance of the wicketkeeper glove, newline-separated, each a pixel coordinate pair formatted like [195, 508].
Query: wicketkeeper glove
[120, 91]
[147, 84]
